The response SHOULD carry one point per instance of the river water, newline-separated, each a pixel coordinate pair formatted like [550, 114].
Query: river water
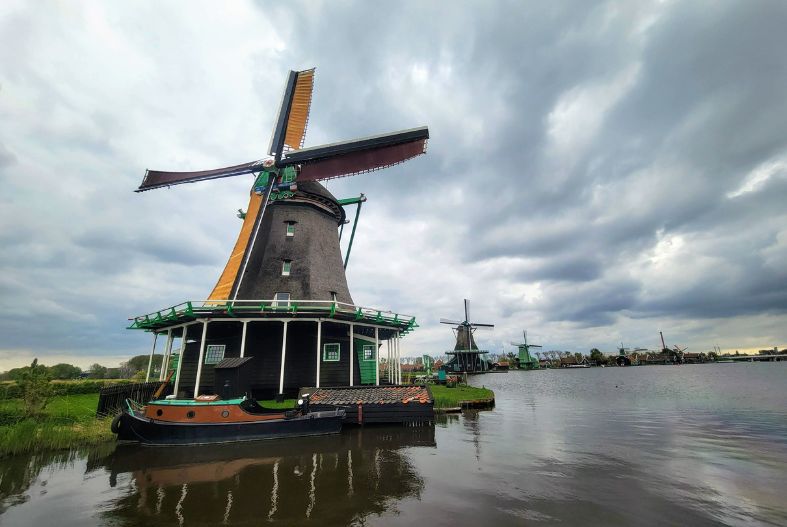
[655, 445]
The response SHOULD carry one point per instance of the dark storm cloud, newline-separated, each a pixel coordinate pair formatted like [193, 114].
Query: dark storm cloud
[593, 167]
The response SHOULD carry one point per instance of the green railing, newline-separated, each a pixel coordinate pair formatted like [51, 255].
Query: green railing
[191, 310]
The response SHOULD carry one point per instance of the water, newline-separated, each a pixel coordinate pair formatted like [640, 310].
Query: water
[655, 445]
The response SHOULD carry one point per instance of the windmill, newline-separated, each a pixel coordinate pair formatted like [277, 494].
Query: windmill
[287, 253]
[627, 357]
[466, 357]
[675, 354]
[526, 361]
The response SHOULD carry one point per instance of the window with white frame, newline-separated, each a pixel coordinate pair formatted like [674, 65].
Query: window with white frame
[368, 352]
[281, 300]
[290, 228]
[331, 352]
[214, 353]
[286, 265]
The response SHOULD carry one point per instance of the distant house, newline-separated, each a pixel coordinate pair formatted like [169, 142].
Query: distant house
[694, 358]
[570, 360]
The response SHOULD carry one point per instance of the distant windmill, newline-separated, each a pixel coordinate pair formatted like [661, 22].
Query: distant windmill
[526, 361]
[676, 353]
[627, 357]
[466, 357]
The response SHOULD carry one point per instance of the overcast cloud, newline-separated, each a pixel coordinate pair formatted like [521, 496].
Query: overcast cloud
[596, 172]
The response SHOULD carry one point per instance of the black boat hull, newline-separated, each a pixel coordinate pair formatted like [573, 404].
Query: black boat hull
[151, 432]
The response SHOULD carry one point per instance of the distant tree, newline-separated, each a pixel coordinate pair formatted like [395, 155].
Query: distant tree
[16, 374]
[35, 387]
[597, 356]
[712, 355]
[140, 363]
[113, 373]
[97, 371]
[64, 371]
[578, 356]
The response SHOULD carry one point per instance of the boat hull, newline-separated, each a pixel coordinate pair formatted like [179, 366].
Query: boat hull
[152, 432]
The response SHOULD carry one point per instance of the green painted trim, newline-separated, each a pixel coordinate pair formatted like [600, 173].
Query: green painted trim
[352, 201]
[192, 402]
[352, 234]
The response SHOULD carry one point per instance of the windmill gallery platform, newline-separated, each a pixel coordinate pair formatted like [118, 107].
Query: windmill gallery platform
[283, 298]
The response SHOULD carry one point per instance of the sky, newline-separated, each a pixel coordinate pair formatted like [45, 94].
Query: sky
[597, 172]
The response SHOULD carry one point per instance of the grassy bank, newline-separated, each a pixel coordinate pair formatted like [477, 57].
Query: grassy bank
[453, 397]
[67, 421]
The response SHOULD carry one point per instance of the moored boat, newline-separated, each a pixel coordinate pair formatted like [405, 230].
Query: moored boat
[211, 420]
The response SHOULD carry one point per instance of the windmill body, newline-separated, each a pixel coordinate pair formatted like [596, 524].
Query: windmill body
[283, 297]
[526, 361]
[466, 357]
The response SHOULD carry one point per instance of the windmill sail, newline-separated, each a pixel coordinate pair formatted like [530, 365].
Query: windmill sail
[223, 288]
[358, 156]
[158, 178]
[290, 128]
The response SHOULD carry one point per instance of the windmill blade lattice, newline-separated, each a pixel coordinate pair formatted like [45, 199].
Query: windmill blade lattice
[158, 178]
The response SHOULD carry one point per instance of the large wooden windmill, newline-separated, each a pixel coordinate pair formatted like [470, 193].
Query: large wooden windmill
[283, 296]
[466, 357]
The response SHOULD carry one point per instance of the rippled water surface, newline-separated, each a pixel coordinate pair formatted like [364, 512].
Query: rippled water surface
[656, 445]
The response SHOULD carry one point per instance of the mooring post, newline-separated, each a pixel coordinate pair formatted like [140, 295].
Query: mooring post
[167, 350]
[319, 342]
[283, 355]
[377, 356]
[352, 351]
[150, 361]
[201, 357]
[180, 358]
[243, 339]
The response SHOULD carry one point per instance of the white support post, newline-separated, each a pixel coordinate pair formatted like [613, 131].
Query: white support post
[152, 351]
[376, 356]
[180, 358]
[243, 339]
[201, 357]
[283, 356]
[352, 352]
[319, 343]
[397, 380]
[167, 351]
[399, 356]
[395, 359]
[390, 362]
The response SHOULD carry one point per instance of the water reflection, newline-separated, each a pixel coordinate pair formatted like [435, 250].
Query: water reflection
[704, 445]
[335, 479]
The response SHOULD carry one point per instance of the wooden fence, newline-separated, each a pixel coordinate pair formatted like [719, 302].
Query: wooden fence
[112, 398]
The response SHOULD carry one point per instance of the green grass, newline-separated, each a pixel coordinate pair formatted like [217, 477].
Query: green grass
[67, 421]
[452, 397]
[287, 404]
